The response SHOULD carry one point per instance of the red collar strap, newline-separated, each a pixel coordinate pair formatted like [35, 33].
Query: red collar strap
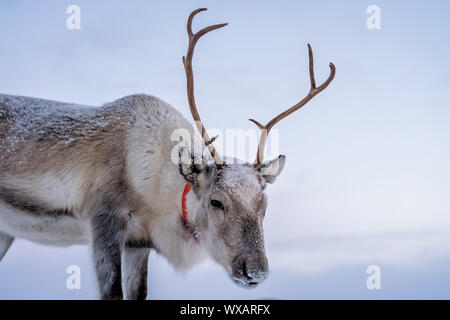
[187, 188]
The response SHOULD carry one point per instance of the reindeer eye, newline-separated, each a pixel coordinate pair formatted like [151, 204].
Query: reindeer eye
[217, 204]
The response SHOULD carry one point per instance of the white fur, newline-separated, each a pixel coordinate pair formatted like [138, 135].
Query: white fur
[55, 189]
[56, 231]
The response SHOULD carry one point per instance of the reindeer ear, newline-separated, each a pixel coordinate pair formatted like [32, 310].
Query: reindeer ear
[271, 170]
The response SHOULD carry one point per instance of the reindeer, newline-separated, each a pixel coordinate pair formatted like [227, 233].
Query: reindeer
[104, 176]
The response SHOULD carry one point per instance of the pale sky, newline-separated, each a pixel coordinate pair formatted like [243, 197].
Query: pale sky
[366, 180]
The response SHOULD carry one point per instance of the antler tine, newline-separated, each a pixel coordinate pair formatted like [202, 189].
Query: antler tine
[187, 62]
[312, 92]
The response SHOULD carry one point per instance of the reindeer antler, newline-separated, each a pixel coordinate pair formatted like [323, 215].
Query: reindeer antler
[312, 92]
[187, 62]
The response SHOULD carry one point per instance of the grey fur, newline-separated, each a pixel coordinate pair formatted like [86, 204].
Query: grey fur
[108, 240]
[135, 273]
[22, 202]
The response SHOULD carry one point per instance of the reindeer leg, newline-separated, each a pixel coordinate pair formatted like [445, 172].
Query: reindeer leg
[135, 265]
[108, 236]
[5, 243]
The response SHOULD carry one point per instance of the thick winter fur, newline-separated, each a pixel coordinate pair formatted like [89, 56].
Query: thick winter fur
[73, 174]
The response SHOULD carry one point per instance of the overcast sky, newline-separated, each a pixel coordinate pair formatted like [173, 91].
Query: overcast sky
[367, 178]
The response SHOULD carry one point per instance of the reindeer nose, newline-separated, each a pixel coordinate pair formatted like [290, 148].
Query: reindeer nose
[249, 271]
[254, 275]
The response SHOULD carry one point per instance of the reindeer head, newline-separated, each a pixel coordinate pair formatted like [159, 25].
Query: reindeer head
[229, 218]
[231, 195]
